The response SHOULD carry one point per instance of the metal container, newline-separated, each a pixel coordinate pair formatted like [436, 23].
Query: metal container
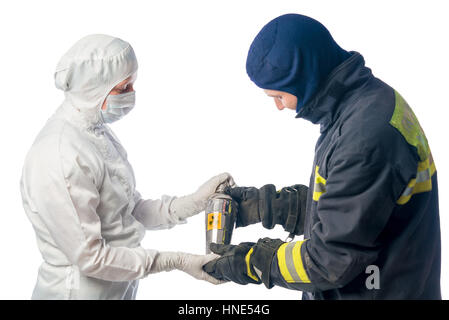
[220, 216]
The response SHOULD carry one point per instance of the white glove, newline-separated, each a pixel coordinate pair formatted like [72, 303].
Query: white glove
[191, 264]
[187, 206]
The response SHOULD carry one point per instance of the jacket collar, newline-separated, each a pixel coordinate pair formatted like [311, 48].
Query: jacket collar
[325, 106]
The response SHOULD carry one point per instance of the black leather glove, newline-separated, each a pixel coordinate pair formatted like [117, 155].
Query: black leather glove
[232, 265]
[286, 207]
[245, 263]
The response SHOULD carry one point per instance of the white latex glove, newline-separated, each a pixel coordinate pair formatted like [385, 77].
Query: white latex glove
[191, 264]
[187, 206]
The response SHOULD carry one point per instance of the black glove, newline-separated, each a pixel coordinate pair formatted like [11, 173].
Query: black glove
[231, 266]
[286, 207]
[245, 263]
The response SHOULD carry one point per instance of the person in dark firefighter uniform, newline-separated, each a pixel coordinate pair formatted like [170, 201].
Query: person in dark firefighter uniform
[372, 201]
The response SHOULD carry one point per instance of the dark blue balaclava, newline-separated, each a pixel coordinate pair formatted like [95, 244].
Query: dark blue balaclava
[295, 54]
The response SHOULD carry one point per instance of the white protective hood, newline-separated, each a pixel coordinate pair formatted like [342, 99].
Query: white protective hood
[90, 69]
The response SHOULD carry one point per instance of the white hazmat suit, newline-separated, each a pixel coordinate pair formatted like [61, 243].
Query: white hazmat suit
[78, 189]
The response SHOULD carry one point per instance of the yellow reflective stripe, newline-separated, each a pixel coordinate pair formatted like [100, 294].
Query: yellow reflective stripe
[282, 263]
[423, 165]
[422, 182]
[318, 178]
[290, 262]
[423, 187]
[297, 260]
[248, 265]
[407, 194]
[320, 185]
[317, 195]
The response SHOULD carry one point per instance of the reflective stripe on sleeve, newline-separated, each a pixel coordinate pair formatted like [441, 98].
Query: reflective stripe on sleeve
[320, 185]
[290, 262]
[422, 182]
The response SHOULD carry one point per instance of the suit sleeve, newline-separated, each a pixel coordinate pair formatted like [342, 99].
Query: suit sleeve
[155, 214]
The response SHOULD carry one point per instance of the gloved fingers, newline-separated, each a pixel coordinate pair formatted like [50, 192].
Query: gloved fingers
[213, 185]
[210, 267]
[209, 258]
[232, 183]
[203, 274]
[210, 261]
[220, 249]
[222, 181]
[212, 270]
[229, 182]
[209, 278]
[193, 264]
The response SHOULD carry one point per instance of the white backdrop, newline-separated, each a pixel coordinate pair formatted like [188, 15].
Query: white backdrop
[197, 112]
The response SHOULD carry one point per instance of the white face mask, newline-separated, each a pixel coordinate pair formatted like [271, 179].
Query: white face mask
[117, 106]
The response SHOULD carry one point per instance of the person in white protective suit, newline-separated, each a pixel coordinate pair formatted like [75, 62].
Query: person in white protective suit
[78, 188]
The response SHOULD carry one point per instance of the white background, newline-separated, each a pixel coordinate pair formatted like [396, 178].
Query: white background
[197, 112]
